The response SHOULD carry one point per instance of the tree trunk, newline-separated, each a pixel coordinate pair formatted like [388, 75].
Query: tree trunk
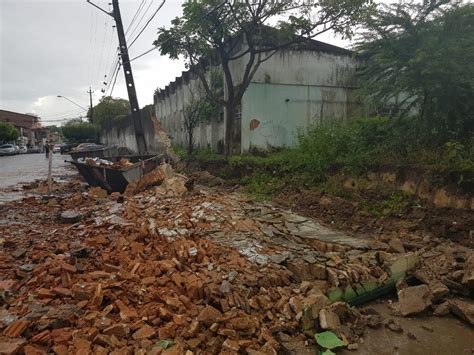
[229, 127]
[190, 143]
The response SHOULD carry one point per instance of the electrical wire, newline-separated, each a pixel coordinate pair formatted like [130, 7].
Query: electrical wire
[147, 23]
[115, 80]
[135, 16]
[169, 38]
[140, 21]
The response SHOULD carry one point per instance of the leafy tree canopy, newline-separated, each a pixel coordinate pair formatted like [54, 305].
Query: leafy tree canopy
[219, 32]
[8, 132]
[54, 128]
[79, 132]
[423, 57]
[109, 109]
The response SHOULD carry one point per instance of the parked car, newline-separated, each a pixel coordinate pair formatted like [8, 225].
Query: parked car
[66, 147]
[22, 149]
[56, 148]
[8, 149]
[34, 149]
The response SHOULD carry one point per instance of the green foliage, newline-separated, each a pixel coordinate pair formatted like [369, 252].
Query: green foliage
[8, 132]
[78, 132]
[54, 129]
[406, 68]
[109, 110]
[354, 147]
[395, 205]
[262, 186]
[217, 33]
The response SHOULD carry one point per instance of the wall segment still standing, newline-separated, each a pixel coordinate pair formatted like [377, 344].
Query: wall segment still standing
[291, 92]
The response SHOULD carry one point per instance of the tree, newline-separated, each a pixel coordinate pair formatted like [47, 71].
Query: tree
[421, 57]
[109, 109]
[79, 132]
[54, 128]
[8, 132]
[199, 109]
[221, 32]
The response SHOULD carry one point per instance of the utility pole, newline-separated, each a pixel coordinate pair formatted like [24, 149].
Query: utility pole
[90, 92]
[127, 69]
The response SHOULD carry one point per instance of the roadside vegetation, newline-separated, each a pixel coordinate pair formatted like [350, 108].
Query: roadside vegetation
[428, 92]
[76, 131]
[8, 132]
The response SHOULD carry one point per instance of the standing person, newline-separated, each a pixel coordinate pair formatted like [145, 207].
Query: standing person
[46, 149]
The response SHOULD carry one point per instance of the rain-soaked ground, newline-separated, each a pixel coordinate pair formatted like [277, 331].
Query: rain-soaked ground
[26, 168]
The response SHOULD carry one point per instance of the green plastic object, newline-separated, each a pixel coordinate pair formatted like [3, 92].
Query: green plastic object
[164, 344]
[328, 340]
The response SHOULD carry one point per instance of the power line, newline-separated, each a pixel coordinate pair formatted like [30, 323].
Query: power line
[135, 16]
[169, 38]
[147, 23]
[115, 80]
[140, 21]
[61, 114]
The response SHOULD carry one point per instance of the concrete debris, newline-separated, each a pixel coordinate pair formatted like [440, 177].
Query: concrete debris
[442, 309]
[438, 290]
[70, 216]
[463, 309]
[329, 320]
[210, 272]
[468, 278]
[414, 300]
[394, 326]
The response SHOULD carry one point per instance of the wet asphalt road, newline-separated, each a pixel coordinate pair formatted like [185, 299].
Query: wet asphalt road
[25, 168]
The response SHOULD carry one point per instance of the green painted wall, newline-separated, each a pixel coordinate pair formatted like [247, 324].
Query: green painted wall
[274, 114]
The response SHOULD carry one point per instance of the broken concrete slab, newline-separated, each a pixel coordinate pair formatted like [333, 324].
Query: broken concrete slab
[71, 216]
[463, 309]
[314, 230]
[329, 320]
[414, 300]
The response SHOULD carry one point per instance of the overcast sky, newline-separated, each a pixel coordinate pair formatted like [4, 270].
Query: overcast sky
[61, 47]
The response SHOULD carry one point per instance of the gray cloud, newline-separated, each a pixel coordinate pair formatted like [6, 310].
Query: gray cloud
[51, 47]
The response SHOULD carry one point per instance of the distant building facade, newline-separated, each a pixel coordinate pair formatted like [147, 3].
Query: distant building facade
[292, 91]
[31, 131]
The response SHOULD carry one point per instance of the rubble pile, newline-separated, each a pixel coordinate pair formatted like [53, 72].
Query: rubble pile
[171, 271]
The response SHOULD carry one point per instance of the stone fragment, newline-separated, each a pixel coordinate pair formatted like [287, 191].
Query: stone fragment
[468, 278]
[225, 287]
[315, 302]
[442, 309]
[401, 264]
[463, 309]
[396, 246]
[144, 332]
[328, 319]
[71, 216]
[438, 290]
[209, 315]
[413, 300]
[231, 345]
[245, 325]
[119, 330]
[353, 347]
[394, 326]
[11, 346]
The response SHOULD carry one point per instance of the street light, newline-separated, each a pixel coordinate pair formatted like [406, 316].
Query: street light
[64, 97]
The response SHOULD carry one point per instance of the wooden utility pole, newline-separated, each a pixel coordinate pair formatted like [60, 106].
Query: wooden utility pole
[127, 69]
